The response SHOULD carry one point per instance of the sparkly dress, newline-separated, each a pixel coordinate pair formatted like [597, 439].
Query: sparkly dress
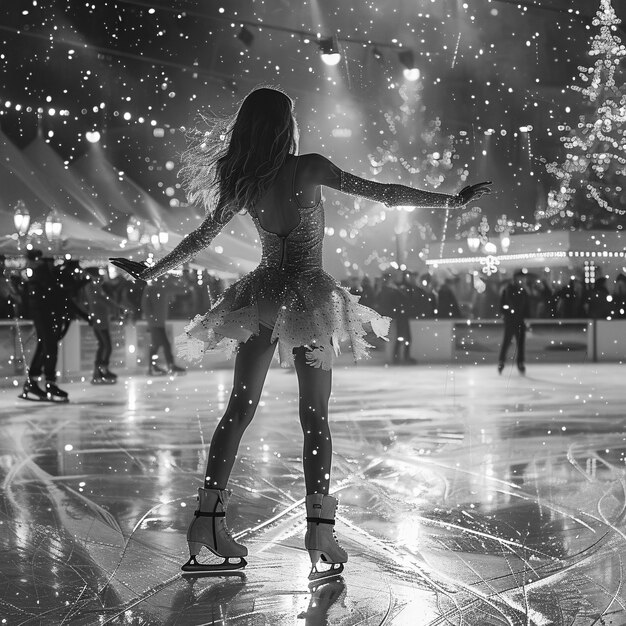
[289, 292]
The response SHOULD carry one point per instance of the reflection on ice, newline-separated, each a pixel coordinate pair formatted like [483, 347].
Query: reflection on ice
[464, 499]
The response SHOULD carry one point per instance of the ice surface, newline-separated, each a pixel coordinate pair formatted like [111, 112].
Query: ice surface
[465, 498]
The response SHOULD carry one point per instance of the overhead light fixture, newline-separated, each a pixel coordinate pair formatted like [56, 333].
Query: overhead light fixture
[407, 59]
[53, 227]
[21, 218]
[245, 36]
[92, 136]
[329, 50]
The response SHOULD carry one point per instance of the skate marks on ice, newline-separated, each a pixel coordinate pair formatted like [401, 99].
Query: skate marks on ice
[464, 507]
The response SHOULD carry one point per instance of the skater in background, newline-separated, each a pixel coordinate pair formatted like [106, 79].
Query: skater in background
[155, 304]
[99, 309]
[448, 305]
[514, 306]
[45, 306]
[250, 162]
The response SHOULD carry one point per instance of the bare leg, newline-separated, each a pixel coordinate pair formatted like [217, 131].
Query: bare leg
[253, 360]
[315, 386]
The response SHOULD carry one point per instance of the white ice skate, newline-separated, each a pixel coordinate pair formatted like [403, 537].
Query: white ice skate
[320, 539]
[209, 529]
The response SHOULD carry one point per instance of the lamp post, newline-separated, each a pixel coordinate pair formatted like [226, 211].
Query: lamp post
[54, 229]
[134, 230]
[505, 241]
[21, 220]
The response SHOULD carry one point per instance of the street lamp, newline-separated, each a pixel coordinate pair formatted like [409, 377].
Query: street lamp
[134, 230]
[21, 219]
[505, 241]
[53, 227]
[473, 240]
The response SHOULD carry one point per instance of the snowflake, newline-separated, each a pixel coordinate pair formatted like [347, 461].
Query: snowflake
[490, 264]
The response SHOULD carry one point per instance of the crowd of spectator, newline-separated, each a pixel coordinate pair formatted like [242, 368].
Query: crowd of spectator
[424, 296]
[391, 293]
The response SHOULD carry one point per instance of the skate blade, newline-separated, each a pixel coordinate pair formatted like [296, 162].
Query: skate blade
[58, 401]
[316, 575]
[25, 396]
[193, 568]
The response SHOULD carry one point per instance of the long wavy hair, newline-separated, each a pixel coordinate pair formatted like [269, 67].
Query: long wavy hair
[231, 161]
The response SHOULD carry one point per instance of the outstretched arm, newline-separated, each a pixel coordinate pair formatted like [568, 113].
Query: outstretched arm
[195, 241]
[326, 173]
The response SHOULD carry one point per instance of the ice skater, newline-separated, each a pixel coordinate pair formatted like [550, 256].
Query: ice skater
[46, 306]
[99, 309]
[250, 161]
[514, 306]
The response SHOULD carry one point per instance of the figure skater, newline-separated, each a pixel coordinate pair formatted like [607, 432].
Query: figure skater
[251, 162]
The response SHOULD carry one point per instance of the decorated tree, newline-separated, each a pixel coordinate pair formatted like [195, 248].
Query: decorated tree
[590, 180]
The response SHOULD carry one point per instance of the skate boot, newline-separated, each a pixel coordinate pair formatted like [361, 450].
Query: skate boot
[500, 367]
[320, 539]
[32, 391]
[522, 368]
[176, 369]
[209, 529]
[155, 370]
[54, 394]
[100, 377]
[108, 373]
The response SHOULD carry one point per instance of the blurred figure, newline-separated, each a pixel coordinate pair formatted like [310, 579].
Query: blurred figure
[70, 279]
[514, 305]
[619, 297]
[599, 300]
[487, 304]
[155, 304]
[10, 299]
[389, 303]
[421, 303]
[99, 309]
[368, 296]
[402, 351]
[571, 300]
[45, 305]
[448, 306]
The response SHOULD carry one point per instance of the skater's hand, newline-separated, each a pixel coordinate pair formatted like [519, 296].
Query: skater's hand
[472, 192]
[134, 268]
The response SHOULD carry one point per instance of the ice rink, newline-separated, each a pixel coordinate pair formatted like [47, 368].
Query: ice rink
[464, 498]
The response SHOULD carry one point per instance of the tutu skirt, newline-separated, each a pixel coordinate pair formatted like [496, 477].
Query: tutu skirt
[308, 308]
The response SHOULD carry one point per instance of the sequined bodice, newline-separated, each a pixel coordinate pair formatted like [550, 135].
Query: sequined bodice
[301, 249]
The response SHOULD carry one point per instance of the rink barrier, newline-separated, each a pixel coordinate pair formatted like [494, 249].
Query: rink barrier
[433, 341]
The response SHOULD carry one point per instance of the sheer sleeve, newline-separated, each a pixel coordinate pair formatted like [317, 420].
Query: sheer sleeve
[395, 195]
[325, 172]
[195, 241]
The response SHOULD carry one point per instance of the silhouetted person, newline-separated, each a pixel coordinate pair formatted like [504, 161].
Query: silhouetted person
[514, 306]
[155, 303]
[571, 300]
[619, 297]
[448, 305]
[99, 310]
[45, 306]
[599, 300]
[389, 303]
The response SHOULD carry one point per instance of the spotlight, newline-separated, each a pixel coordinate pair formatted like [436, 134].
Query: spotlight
[92, 136]
[410, 71]
[245, 36]
[329, 50]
